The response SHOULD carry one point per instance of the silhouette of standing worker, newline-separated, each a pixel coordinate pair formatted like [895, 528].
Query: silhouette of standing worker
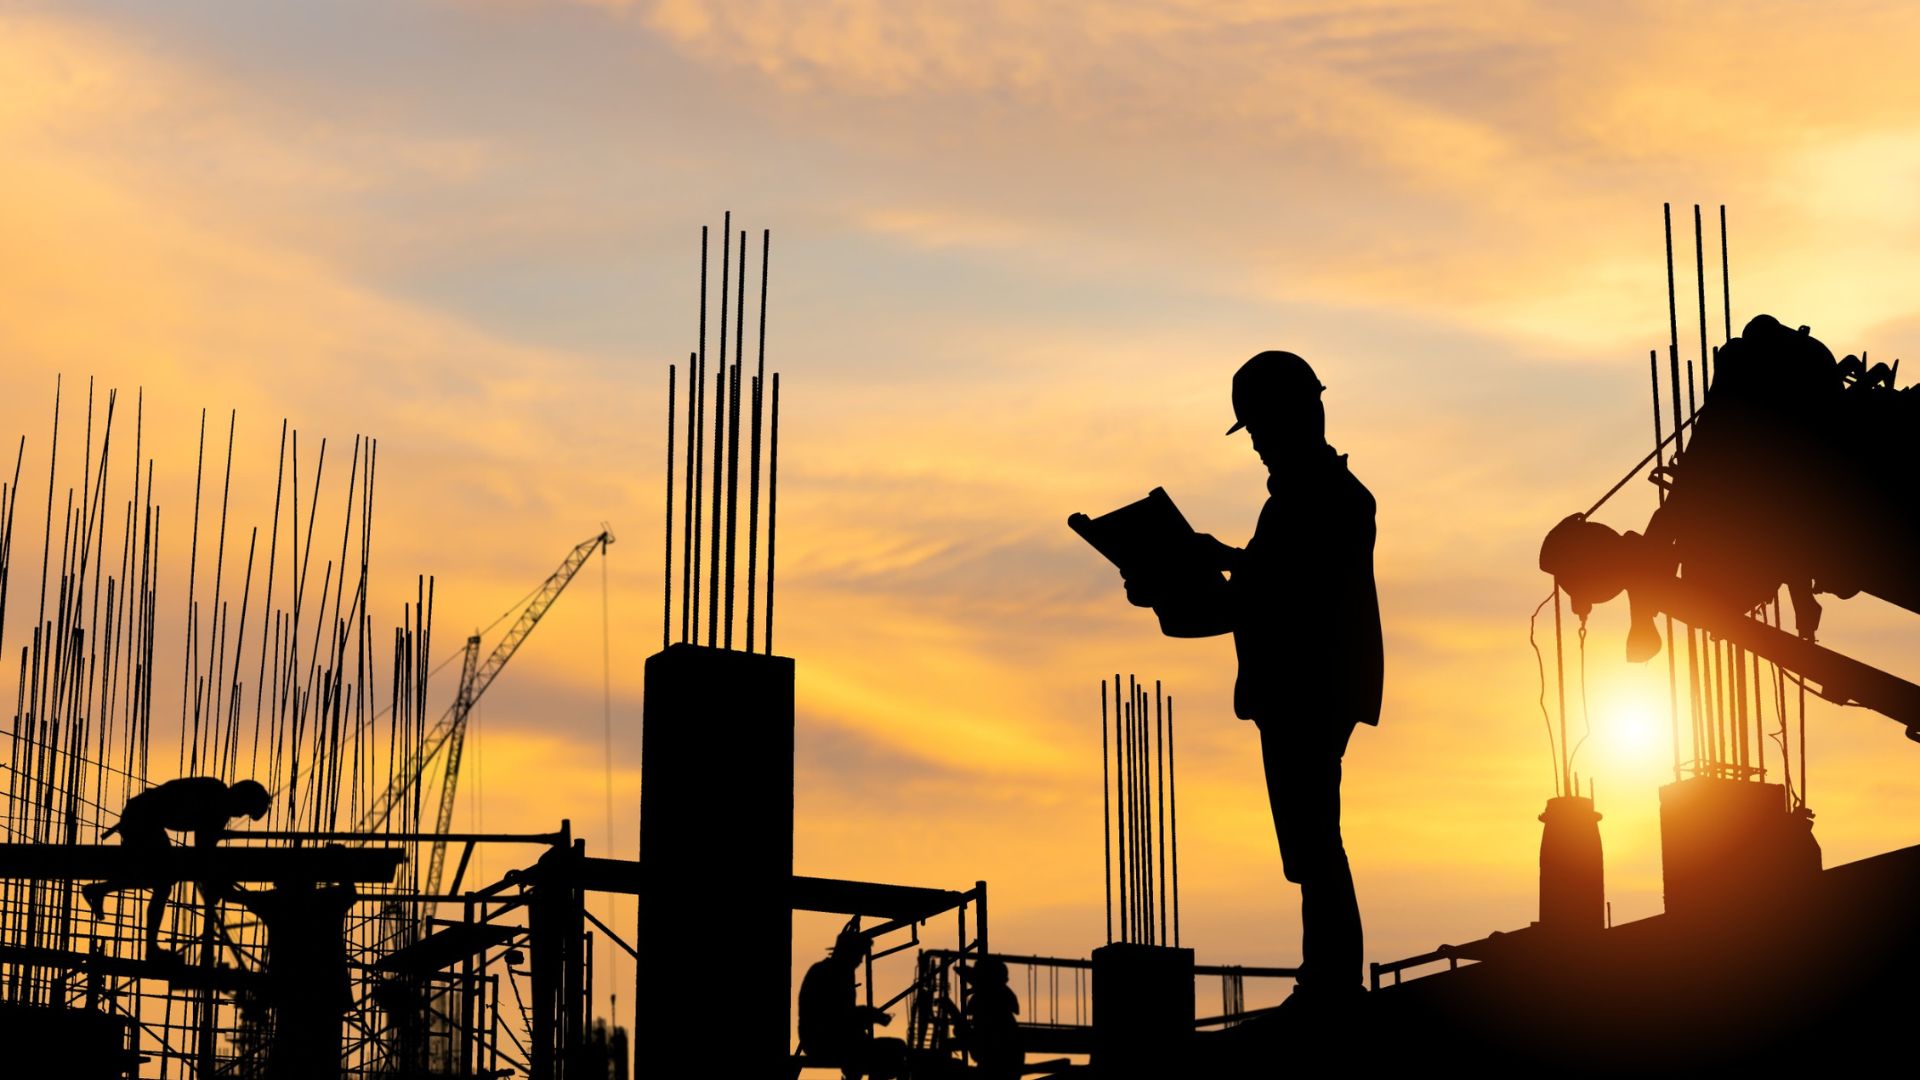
[834, 1030]
[1305, 619]
[201, 805]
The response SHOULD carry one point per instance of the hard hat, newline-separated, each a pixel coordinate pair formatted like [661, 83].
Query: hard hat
[991, 969]
[1264, 383]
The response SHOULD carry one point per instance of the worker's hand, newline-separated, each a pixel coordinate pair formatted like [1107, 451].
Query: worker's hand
[1217, 554]
[1139, 592]
[883, 1019]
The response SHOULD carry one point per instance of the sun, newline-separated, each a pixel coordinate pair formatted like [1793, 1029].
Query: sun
[1630, 734]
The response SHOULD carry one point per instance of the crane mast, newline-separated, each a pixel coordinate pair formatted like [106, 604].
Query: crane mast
[450, 732]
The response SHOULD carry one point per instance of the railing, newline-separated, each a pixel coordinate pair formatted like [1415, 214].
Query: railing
[1395, 968]
[1056, 1010]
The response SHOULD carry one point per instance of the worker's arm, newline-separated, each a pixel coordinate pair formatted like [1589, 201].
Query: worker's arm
[1196, 606]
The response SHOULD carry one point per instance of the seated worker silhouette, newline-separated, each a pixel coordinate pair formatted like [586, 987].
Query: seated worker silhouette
[990, 1026]
[1305, 619]
[837, 1032]
[201, 805]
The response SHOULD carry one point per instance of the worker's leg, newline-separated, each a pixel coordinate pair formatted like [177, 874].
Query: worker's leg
[96, 896]
[133, 834]
[156, 914]
[1303, 790]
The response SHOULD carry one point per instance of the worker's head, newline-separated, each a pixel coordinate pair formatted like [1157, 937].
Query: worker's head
[850, 946]
[1276, 397]
[987, 971]
[248, 797]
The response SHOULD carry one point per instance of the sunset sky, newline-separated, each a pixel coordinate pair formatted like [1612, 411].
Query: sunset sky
[1018, 251]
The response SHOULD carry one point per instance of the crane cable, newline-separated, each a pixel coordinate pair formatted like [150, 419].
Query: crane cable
[606, 712]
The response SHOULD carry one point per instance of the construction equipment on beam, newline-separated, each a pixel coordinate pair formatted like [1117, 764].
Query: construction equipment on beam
[450, 733]
[1796, 476]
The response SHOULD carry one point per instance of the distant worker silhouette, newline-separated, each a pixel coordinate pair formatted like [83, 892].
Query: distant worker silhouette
[990, 1026]
[201, 805]
[1305, 618]
[837, 1032]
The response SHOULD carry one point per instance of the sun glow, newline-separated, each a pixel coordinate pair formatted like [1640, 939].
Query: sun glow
[1629, 734]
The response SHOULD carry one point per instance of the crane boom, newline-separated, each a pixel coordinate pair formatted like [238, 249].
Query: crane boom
[450, 732]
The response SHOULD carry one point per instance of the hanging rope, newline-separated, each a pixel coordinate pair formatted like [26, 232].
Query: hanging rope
[1586, 718]
[606, 712]
[1540, 662]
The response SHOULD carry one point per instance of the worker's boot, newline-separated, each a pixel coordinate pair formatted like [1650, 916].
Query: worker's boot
[96, 895]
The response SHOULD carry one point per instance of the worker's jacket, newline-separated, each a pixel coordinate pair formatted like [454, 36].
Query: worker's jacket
[1301, 602]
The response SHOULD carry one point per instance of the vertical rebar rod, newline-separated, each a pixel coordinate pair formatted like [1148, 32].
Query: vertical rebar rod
[753, 484]
[1122, 863]
[1173, 811]
[1737, 668]
[1759, 723]
[1106, 806]
[1119, 800]
[689, 503]
[193, 605]
[1705, 698]
[1659, 439]
[733, 498]
[1160, 801]
[733, 434]
[1780, 710]
[1726, 287]
[214, 664]
[1738, 705]
[1696, 639]
[753, 510]
[697, 433]
[1714, 710]
[719, 475]
[1144, 914]
[1803, 741]
[719, 432]
[1659, 462]
[1141, 914]
[1131, 887]
[1724, 700]
[666, 574]
[1673, 329]
[1700, 278]
[273, 553]
[1147, 811]
[1693, 404]
[773, 496]
[1145, 735]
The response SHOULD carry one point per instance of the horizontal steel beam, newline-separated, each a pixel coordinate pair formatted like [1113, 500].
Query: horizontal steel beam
[101, 862]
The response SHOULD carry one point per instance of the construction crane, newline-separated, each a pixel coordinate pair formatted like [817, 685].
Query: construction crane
[450, 733]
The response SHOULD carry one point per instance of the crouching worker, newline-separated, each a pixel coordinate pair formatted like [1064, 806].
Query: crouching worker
[201, 805]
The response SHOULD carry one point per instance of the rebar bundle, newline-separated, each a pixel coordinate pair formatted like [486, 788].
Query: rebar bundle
[1140, 813]
[712, 475]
